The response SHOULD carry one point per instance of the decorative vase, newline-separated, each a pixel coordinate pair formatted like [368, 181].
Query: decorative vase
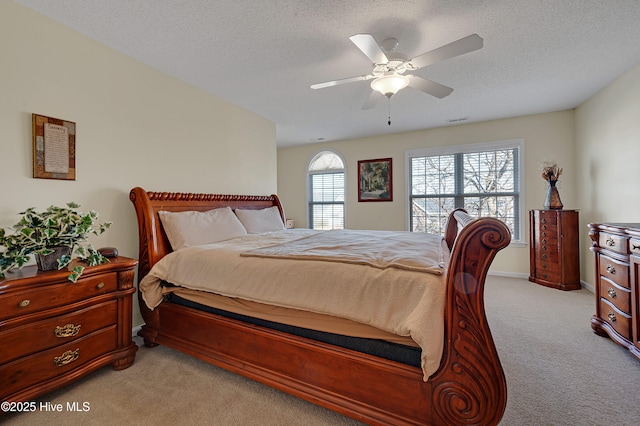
[552, 201]
[49, 262]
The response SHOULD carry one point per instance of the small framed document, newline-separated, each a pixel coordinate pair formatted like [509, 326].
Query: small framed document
[54, 148]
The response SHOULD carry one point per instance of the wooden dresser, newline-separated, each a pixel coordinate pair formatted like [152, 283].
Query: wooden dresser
[554, 253]
[617, 250]
[53, 331]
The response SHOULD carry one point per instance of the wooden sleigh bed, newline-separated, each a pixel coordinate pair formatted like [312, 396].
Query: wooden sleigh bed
[468, 388]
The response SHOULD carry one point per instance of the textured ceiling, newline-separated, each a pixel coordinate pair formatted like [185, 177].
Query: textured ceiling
[262, 55]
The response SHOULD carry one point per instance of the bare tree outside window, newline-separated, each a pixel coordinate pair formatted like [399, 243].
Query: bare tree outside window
[485, 183]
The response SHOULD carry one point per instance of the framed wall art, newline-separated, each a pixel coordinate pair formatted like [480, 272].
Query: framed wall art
[375, 180]
[54, 148]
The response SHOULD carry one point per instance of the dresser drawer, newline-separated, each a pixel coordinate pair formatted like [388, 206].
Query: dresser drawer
[548, 218]
[547, 271]
[45, 334]
[634, 246]
[547, 252]
[54, 362]
[548, 238]
[620, 297]
[613, 242]
[619, 320]
[548, 232]
[54, 295]
[617, 272]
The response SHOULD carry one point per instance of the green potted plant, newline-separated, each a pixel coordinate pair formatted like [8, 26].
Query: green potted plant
[58, 232]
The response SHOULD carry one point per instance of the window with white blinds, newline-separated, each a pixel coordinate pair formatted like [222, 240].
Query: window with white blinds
[326, 191]
[483, 179]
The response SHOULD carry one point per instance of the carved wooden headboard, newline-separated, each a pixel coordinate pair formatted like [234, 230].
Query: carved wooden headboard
[153, 242]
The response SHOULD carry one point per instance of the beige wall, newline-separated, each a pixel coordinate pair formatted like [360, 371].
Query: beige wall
[135, 127]
[608, 157]
[546, 137]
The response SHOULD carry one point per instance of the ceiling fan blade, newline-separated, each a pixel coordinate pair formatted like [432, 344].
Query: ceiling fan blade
[372, 100]
[341, 81]
[456, 48]
[430, 87]
[369, 46]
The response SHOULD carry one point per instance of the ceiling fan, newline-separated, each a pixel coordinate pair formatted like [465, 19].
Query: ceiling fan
[390, 69]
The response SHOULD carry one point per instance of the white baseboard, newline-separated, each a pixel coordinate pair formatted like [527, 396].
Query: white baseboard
[134, 330]
[588, 286]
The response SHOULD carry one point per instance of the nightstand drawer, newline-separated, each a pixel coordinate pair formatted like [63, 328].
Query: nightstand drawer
[619, 320]
[48, 297]
[617, 272]
[45, 334]
[54, 362]
[619, 296]
[634, 246]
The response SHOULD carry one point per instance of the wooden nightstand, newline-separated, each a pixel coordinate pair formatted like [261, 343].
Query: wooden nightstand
[53, 331]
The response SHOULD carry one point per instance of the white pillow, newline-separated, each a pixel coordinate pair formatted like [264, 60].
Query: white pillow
[193, 228]
[263, 220]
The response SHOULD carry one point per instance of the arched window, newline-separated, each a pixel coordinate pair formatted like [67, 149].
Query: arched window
[326, 191]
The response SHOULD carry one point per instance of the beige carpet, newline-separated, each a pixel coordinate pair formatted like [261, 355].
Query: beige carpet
[558, 373]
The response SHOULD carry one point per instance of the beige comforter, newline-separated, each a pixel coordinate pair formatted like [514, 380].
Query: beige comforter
[393, 298]
[380, 249]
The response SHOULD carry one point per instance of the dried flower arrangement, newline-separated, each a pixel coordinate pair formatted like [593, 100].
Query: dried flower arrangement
[551, 172]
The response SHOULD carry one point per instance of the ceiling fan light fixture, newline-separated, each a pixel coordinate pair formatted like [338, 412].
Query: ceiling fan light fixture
[390, 84]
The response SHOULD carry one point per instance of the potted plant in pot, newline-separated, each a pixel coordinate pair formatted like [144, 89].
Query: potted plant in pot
[53, 237]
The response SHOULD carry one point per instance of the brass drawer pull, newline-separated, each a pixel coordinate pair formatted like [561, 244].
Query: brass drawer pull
[611, 292]
[100, 286]
[611, 242]
[66, 358]
[611, 269]
[24, 303]
[612, 317]
[635, 247]
[67, 330]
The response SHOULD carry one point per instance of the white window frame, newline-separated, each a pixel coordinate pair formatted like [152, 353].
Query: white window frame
[470, 148]
[308, 186]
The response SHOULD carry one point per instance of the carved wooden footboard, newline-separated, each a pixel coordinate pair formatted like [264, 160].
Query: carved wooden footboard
[469, 388]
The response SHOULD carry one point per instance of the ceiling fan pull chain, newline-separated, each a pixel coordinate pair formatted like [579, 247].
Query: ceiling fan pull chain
[389, 122]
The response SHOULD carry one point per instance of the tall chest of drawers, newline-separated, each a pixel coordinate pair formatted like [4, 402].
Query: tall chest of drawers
[617, 258]
[554, 248]
[54, 331]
